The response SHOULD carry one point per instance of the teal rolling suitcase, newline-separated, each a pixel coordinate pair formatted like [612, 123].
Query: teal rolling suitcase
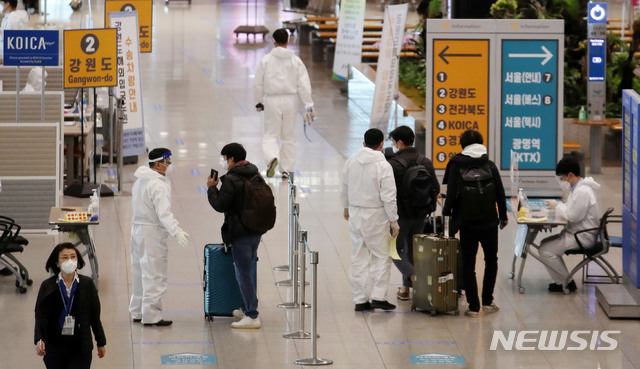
[221, 291]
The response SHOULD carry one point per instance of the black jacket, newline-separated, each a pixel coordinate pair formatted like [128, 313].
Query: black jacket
[229, 200]
[85, 309]
[410, 155]
[452, 180]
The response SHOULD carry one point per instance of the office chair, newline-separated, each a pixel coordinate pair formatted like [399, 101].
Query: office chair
[594, 253]
[11, 242]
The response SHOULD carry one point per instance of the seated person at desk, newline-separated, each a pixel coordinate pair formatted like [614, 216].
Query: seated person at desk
[580, 211]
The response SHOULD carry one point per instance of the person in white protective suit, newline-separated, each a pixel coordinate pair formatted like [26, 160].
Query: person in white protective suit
[151, 224]
[280, 76]
[580, 211]
[14, 18]
[35, 84]
[368, 195]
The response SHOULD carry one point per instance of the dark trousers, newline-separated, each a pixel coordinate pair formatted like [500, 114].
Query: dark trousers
[244, 249]
[404, 245]
[61, 357]
[469, 239]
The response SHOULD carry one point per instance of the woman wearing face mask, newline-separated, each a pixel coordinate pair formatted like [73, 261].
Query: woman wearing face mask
[67, 310]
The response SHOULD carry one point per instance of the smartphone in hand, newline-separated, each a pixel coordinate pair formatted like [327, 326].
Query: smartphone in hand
[214, 174]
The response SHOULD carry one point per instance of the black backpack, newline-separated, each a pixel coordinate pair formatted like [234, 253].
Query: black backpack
[476, 193]
[258, 212]
[418, 197]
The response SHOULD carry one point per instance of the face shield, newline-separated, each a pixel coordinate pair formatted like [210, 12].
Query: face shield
[164, 156]
[166, 162]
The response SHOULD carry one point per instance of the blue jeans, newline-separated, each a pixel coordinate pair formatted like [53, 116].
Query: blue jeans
[404, 245]
[244, 249]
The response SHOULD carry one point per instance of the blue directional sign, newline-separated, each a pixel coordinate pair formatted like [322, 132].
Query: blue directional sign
[31, 48]
[189, 358]
[597, 13]
[437, 359]
[529, 103]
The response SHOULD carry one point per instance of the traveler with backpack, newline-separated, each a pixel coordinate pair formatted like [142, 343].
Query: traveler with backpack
[417, 193]
[368, 196]
[474, 187]
[249, 211]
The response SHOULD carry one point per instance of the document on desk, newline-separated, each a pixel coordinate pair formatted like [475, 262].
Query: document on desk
[533, 219]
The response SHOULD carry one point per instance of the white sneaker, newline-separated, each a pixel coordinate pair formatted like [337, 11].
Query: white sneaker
[491, 308]
[247, 323]
[238, 314]
[470, 313]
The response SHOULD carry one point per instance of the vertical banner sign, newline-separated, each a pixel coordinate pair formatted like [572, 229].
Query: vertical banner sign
[529, 103]
[89, 58]
[31, 48]
[129, 81]
[349, 43]
[145, 17]
[460, 96]
[626, 148]
[395, 18]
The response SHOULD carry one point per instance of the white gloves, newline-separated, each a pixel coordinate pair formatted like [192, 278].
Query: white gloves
[312, 112]
[181, 236]
[395, 229]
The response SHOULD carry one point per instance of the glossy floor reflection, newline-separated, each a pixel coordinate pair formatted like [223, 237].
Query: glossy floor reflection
[198, 96]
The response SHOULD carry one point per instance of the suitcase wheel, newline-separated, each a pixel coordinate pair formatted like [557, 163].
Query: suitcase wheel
[208, 317]
[433, 312]
[413, 307]
[457, 312]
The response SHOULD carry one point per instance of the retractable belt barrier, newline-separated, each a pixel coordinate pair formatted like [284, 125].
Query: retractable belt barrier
[298, 248]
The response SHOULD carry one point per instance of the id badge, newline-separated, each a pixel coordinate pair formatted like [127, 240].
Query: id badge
[69, 325]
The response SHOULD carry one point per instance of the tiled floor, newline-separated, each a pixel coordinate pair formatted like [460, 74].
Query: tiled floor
[198, 96]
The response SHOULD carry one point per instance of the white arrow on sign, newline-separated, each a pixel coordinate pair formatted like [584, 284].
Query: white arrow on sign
[547, 55]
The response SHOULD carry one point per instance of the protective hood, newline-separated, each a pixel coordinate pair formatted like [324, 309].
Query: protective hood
[474, 150]
[588, 181]
[281, 52]
[144, 172]
[22, 16]
[367, 156]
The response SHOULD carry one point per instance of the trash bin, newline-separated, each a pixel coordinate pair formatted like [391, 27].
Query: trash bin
[331, 52]
[317, 49]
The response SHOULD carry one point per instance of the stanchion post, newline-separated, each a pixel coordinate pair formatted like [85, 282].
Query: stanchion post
[291, 198]
[300, 333]
[296, 251]
[314, 360]
[292, 239]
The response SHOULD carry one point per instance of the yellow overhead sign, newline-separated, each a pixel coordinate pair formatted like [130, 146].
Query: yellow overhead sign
[90, 58]
[460, 94]
[145, 17]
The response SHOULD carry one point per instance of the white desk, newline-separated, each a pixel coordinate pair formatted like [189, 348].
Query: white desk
[533, 228]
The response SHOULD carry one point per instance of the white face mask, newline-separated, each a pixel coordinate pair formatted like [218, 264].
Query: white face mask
[225, 165]
[565, 186]
[69, 266]
[395, 149]
[169, 171]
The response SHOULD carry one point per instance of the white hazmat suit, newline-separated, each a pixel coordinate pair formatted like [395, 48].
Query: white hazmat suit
[151, 224]
[369, 192]
[581, 212]
[17, 19]
[280, 78]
